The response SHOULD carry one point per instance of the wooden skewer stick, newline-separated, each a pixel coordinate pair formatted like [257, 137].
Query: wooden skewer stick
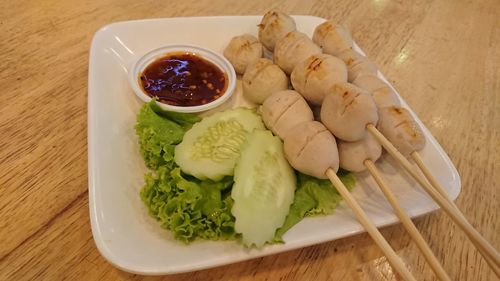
[407, 223]
[418, 160]
[483, 246]
[392, 257]
[427, 173]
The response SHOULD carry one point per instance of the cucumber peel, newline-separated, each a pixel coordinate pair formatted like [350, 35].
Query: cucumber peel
[263, 190]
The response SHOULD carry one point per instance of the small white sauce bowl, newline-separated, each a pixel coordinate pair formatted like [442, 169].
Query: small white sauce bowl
[220, 61]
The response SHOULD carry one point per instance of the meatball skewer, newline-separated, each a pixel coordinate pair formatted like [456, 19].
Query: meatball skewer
[400, 135]
[383, 95]
[349, 111]
[397, 129]
[407, 138]
[311, 149]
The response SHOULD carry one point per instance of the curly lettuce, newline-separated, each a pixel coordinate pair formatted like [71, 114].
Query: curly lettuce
[159, 131]
[313, 197]
[188, 207]
[192, 208]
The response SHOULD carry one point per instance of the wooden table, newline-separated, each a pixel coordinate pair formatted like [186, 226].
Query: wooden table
[442, 56]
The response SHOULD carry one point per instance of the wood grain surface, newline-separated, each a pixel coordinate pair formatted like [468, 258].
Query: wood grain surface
[442, 55]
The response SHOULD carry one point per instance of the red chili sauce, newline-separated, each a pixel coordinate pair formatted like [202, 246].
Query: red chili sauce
[183, 79]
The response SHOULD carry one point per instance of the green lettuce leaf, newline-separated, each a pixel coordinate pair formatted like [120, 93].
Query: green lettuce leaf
[313, 197]
[159, 131]
[190, 208]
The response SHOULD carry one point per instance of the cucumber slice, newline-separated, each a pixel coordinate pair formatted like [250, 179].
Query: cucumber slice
[263, 189]
[210, 148]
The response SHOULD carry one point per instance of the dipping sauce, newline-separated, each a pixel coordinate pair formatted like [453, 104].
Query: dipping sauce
[183, 79]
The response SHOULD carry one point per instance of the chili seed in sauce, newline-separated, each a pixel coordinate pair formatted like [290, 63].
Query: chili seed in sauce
[183, 79]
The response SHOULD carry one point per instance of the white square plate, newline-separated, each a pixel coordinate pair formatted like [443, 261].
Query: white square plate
[124, 232]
